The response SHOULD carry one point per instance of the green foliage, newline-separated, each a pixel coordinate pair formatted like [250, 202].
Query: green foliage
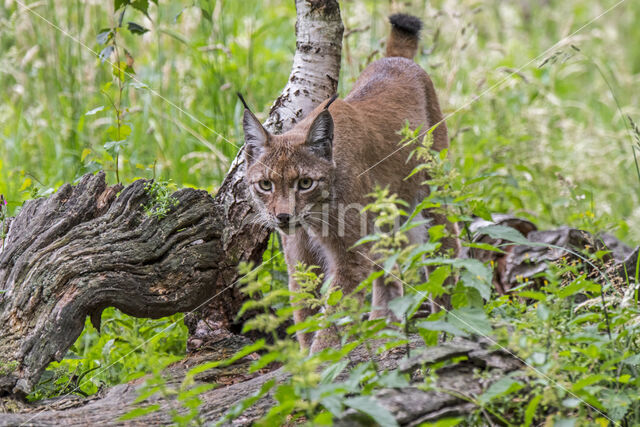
[125, 348]
[186, 394]
[579, 353]
[574, 330]
[161, 201]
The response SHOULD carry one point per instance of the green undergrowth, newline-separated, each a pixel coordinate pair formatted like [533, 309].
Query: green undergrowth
[125, 349]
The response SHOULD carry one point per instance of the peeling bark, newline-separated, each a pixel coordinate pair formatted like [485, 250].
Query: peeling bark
[316, 64]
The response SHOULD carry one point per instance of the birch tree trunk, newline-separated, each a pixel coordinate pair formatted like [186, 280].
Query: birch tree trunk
[92, 246]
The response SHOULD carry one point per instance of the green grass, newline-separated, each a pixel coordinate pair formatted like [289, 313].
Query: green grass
[552, 136]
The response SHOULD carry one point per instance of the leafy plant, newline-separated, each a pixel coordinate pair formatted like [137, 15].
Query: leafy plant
[160, 199]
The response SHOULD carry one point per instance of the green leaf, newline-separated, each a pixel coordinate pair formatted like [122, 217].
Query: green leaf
[484, 247]
[540, 296]
[502, 387]
[332, 404]
[136, 28]
[444, 422]
[578, 285]
[332, 371]
[400, 306]
[587, 381]
[264, 360]
[371, 407]
[616, 402]
[393, 379]
[366, 239]
[475, 267]
[323, 419]
[543, 312]
[141, 5]
[138, 412]
[115, 146]
[476, 282]
[632, 360]
[390, 262]
[117, 4]
[480, 209]
[443, 326]
[334, 297]
[470, 319]
[505, 233]
[530, 412]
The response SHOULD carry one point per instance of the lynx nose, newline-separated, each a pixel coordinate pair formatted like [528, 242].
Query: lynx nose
[283, 219]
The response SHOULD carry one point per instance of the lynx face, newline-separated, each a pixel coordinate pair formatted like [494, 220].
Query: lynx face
[290, 176]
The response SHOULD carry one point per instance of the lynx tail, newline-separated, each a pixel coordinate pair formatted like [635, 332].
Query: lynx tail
[405, 31]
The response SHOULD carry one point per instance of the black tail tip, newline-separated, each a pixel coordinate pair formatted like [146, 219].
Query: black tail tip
[406, 23]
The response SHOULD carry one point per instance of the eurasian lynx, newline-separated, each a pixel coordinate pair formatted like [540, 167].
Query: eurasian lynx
[312, 182]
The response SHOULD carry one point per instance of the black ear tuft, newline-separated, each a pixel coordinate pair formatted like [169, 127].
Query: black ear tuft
[320, 136]
[328, 104]
[406, 23]
[243, 101]
[255, 136]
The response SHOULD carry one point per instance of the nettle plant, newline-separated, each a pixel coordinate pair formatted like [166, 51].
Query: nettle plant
[578, 333]
[573, 326]
[121, 61]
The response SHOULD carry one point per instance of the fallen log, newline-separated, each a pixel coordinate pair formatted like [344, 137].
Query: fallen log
[481, 367]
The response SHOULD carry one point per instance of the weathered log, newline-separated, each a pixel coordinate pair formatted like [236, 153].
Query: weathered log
[85, 249]
[92, 246]
[410, 405]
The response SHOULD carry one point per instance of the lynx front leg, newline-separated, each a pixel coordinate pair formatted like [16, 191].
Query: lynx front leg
[297, 249]
[346, 276]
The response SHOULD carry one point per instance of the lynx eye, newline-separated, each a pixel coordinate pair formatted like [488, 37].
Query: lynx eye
[265, 185]
[305, 183]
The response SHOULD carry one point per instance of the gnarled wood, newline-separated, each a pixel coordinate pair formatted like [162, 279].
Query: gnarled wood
[410, 405]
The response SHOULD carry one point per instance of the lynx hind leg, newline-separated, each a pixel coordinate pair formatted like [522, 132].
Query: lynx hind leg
[450, 245]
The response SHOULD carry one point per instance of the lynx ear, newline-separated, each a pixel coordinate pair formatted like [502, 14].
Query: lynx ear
[320, 136]
[255, 136]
